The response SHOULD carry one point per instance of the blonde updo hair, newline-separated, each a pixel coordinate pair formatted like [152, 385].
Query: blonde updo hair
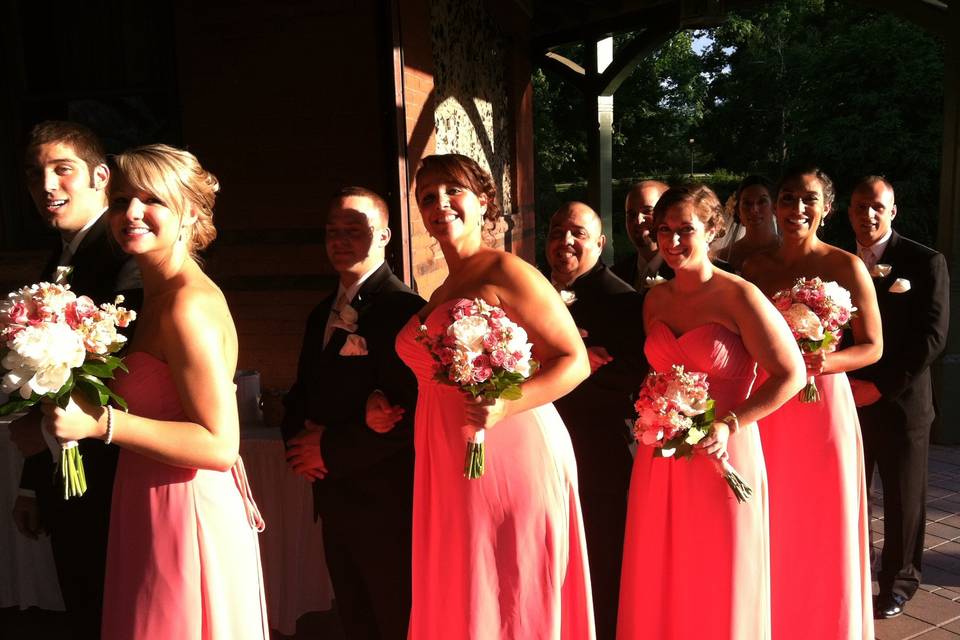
[174, 177]
[706, 206]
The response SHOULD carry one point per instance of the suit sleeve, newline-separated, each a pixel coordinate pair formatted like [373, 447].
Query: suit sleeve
[626, 372]
[924, 339]
[295, 403]
[351, 449]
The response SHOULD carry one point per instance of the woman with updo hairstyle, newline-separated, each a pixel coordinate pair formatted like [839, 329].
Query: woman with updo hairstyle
[503, 555]
[686, 532]
[183, 558]
[819, 555]
[753, 207]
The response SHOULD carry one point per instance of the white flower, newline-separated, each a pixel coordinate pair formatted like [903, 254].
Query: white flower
[651, 281]
[881, 270]
[568, 297]
[469, 333]
[837, 294]
[40, 359]
[804, 322]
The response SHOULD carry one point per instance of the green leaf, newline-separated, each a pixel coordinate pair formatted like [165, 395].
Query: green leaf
[98, 369]
[512, 393]
[13, 406]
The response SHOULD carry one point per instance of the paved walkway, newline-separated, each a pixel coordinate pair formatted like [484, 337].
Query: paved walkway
[934, 612]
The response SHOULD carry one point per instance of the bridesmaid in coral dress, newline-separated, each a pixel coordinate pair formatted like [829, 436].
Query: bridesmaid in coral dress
[182, 559]
[502, 556]
[820, 568]
[695, 562]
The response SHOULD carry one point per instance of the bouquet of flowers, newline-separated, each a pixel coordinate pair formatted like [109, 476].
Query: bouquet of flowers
[484, 353]
[52, 341]
[816, 312]
[675, 412]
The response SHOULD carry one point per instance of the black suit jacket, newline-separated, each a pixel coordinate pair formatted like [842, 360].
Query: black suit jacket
[96, 265]
[368, 472]
[611, 313]
[915, 325]
[626, 269]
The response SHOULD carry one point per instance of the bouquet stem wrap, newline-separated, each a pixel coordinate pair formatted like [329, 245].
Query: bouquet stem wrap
[810, 393]
[741, 490]
[475, 459]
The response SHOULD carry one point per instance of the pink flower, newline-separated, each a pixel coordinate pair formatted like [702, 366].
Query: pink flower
[77, 310]
[482, 374]
[497, 356]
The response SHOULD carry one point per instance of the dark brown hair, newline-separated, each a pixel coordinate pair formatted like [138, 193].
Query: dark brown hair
[705, 203]
[82, 140]
[465, 172]
[362, 192]
[829, 193]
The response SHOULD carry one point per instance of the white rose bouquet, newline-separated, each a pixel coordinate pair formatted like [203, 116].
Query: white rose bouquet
[484, 353]
[675, 412]
[51, 342]
[816, 312]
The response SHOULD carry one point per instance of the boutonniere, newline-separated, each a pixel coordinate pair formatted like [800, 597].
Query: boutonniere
[568, 297]
[354, 346]
[62, 275]
[881, 270]
[651, 281]
[346, 319]
[900, 285]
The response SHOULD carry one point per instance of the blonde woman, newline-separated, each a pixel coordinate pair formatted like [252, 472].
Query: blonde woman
[182, 560]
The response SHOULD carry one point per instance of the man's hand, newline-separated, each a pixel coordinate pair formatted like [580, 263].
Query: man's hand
[303, 452]
[382, 416]
[864, 393]
[598, 357]
[25, 434]
[26, 516]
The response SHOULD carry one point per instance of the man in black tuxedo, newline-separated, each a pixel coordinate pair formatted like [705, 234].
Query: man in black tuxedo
[362, 479]
[609, 315]
[894, 396]
[67, 178]
[647, 262]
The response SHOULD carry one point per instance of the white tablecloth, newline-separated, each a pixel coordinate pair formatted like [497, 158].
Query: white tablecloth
[27, 575]
[291, 547]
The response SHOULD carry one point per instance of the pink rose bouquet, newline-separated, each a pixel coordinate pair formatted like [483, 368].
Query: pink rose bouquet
[484, 353]
[816, 313]
[675, 412]
[52, 341]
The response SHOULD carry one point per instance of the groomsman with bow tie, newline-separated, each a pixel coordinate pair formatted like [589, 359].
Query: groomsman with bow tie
[362, 478]
[894, 396]
[641, 269]
[67, 177]
[609, 314]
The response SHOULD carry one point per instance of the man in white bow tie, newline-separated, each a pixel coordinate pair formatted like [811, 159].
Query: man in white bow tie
[894, 396]
[362, 479]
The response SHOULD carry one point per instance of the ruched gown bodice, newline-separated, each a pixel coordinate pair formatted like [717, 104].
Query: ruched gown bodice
[502, 556]
[183, 559]
[696, 562]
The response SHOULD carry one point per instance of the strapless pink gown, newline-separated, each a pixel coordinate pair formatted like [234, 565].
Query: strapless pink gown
[695, 561]
[503, 556]
[820, 544]
[183, 559]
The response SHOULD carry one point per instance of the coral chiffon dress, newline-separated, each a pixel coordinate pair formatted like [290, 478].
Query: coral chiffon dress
[502, 556]
[183, 559]
[695, 561]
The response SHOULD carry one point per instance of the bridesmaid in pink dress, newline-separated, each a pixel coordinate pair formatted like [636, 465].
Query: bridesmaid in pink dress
[183, 559]
[820, 566]
[695, 561]
[502, 556]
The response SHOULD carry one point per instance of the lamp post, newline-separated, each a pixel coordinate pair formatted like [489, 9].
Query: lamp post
[691, 157]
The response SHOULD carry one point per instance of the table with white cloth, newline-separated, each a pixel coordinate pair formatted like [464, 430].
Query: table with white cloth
[291, 547]
[28, 577]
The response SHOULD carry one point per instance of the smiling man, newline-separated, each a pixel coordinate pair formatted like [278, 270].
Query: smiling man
[646, 262]
[67, 175]
[609, 314]
[362, 478]
[894, 396]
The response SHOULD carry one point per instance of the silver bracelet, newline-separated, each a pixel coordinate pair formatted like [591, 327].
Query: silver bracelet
[732, 417]
[109, 438]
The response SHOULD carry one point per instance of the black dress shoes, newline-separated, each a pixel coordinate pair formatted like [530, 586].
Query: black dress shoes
[888, 606]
